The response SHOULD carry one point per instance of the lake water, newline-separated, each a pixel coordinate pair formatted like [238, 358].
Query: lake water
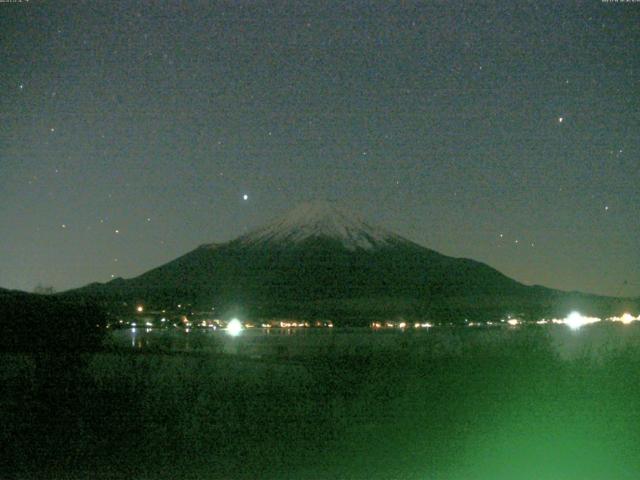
[464, 403]
[590, 340]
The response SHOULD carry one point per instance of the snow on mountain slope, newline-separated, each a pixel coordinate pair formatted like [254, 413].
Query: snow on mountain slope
[322, 220]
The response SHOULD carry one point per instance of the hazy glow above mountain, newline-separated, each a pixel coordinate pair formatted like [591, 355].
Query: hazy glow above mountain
[322, 220]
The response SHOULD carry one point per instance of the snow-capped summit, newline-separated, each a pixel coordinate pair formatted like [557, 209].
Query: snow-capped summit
[322, 220]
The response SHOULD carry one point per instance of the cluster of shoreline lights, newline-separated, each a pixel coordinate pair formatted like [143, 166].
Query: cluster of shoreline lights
[574, 321]
[234, 326]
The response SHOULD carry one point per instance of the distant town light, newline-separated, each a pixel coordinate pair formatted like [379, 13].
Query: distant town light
[625, 319]
[139, 309]
[234, 327]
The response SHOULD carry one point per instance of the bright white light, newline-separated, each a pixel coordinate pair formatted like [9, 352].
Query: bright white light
[513, 322]
[234, 327]
[139, 308]
[245, 197]
[575, 320]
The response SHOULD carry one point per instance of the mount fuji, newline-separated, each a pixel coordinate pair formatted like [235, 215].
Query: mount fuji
[321, 261]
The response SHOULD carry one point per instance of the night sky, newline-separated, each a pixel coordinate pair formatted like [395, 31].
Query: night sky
[506, 132]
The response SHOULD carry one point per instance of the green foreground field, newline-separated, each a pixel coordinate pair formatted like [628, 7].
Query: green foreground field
[513, 410]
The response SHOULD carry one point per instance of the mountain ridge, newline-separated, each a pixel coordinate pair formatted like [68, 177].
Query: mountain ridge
[319, 260]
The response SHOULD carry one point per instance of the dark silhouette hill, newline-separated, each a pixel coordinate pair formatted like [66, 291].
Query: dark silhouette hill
[32, 323]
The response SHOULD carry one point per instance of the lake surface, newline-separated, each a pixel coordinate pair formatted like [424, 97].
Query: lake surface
[590, 340]
[447, 403]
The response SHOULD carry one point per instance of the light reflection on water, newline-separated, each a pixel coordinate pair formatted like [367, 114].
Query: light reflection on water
[591, 340]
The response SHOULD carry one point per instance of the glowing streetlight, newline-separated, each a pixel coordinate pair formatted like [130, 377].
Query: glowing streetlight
[234, 327]
[575, 320]
[139, 309]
